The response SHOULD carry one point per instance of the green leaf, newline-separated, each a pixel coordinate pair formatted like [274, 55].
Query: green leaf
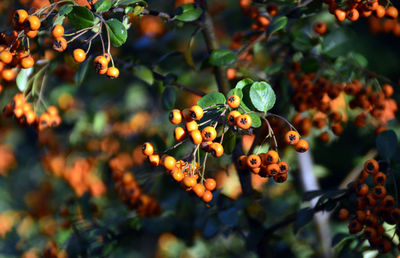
[59, 20]
[256, 120]
[243, 83]
[229, 142]
[337, 43]
[22, 78]
[235, 91]
[81, 17]
[169, 98]
[130, 2]
[65, 9]
[118, 33]
[277, 25]
[262, 96]
[211, 99]
[102, 5]
[99, 122]
[386, 143]
[222, 57]
[359, 59]
[301, 41]
[303, 217]
[144, 74]
[274, 68]
[188, 13]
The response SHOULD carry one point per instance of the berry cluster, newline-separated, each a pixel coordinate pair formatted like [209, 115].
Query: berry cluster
[353, 10]
[374, 207]
[316, 96]
[262, 17]
[25, 114]
[386, 26]
[128, 188]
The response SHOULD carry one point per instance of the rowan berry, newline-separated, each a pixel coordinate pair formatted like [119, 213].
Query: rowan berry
[263, 21]
[20, 16]
[179, 134]
[79, 55]
[244, 121]
[343, 214]
[112, 72]
[370, 232]
[34, 23]
[380, 11]
[169, 162]
[27, 62]
[101, 65]
[371, 166]
[283, 166]
[379, 178]
[57, 31]
[191, 126]
[199, 190]
[8, 75]
[392, 12]
[355, 227]
[207, 196]
[210, 184]
[337, 129]
[292, 137]
[60, 44]
[31, 34]
[253, 161]
[379, 192]
[232, 117]
[196, 112]
[209, 133]
[189, 181]
[271, 157]
[6, 57]
[154, 159]
[273, 169]
[340, 15]
[195, 137]
[216, 149]
[302, 146]
[388, 201]
[353, 15]
[175, 116]
[233, 101]
[148, 149]
[320, 28]
[178, 175]
[242, 162]
[272, 9]
[387, 90]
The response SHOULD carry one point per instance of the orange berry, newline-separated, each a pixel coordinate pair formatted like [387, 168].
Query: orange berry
[154, 159]
[175, 116]
[31, 34]
[355, 227]
[280, 178]
[271, 157]
[79, 55]
[101, 65]
[353, 15]
[232, 117]
[273, 169]
[343, 214]
[34, 23]
[283, 166]
[216, 149]
[169, 162]
[195, 137]
[392, 12]
[302, 146]
[292, 137]
[112, 72]
[253, 161]
[179, 134]
[6, 57]
[320, 28]
[30, 117]
[178, 175]
[209, 134]
[196, 112]
[189, 181]
[20, 16]
[57, 31]
[60, 44]
[242, 162]
[371, 166]
[244, 121]
[207, 196]
[379, 192]
[52, 111]
[362, 189]
[191, 126]
[8, 75]
[379, 178]
[340, 15]
[27, 62]
[233, 101]
[199, 190]
[210, 184]
[387, 90]
[148, 149]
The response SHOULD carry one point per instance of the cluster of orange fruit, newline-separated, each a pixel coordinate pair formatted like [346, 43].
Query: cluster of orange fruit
[316, 95]
[23, 111]
[354, 9]
[262, 19]
[374, 207]
[128, 188]
[386, 26]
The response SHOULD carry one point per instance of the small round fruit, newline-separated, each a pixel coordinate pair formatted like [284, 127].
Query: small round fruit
[169, 162]
[179, 134]
[175, 116]
[27, 62]
[20, 16]
[232, 117]
[112, 72]
[320, 28]
[196, 112]
[195, 137]
[154, 160]
[189, 181]
[31, 34]
[60, 44]
[34, 23]
[371, 166]
[209, 134]
[207, 196]
[210, 184]
[273, 169]
[244, 121]
[57, 31]
[79, 55]
[178, 175]
[148, 149]
[343, 214]
[302, 146]
[242, 162]
[271, 157]
[283, 166]
[101, 64]
[199, 190]
[6, 57]
[292, 137]
[253, 161]
[233, 101]
[216, 149]
[191, 126]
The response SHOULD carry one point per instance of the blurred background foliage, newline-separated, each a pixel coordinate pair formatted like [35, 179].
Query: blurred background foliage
[103, 117]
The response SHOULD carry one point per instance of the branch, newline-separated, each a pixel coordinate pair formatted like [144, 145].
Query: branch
[212, 44]
[179, 85]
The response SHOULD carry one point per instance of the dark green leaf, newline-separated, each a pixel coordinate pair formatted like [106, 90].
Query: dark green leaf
[118, 33]
[337, 43]
[130, 2]
[310, 65]
[65, 10]
[262, 96]
[386, 143]
[277, 24]
[301, 41]
[303, 217]
[22, 78]
[338, 238]
[81, 17]
[211, 99]
[144, 74]
[102, 5]
[359, 59]
[229, 142]
[188, 13]
[222, 57]
[169, 98]
[274, 68]
[243, 83]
